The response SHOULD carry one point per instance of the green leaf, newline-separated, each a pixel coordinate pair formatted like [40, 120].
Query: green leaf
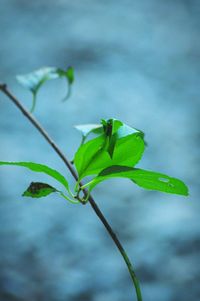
[126, 130]
[34, 80]
[87, 129]
[87, 154]
[145, 179]
[69, 75]
[38, 190]
[41, 168]
[93, 156]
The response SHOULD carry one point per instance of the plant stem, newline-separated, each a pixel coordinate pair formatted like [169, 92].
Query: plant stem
[33, 103]
[93, 204]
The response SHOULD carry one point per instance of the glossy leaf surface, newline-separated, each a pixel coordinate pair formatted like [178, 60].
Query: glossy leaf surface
[144, 178]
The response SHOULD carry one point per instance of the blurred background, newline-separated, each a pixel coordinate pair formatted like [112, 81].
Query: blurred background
[135, 60]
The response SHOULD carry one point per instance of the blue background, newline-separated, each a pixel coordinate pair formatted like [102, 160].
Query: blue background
[137, 61]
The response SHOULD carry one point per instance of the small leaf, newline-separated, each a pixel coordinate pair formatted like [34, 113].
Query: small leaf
[69, 75]
[87, 129]
[38, 190]
[41, 168]
[146, 179]
[126, 130]
[34, 80]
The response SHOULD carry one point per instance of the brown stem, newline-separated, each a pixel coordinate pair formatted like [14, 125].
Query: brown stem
[93, 204]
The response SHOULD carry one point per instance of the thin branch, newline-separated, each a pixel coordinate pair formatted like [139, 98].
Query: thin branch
[3, 88]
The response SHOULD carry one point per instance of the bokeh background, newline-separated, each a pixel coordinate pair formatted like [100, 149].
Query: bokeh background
[136, 60]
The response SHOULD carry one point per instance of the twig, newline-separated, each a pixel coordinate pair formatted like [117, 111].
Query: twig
[3, 88]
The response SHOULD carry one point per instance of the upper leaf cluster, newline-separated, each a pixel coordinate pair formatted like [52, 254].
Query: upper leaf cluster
[115, 144]
[114, 153]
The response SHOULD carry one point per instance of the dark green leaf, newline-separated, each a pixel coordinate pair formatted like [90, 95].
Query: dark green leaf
[34, 80]
[111, 127]
[146, 179]
[111, 145]
[41, 168]
[38, 190]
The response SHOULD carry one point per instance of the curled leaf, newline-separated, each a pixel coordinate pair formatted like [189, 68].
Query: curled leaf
[87, 129]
